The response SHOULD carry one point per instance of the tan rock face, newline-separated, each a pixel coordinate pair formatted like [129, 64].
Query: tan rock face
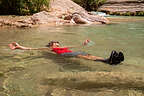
[123, 6]
[125, 1]
[68, 7]
[58, 7]
[43, 18]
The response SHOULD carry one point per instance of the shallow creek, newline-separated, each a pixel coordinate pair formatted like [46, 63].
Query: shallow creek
[42, 73]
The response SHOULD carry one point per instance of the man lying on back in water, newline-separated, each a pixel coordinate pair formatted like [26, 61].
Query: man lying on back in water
[114, 59]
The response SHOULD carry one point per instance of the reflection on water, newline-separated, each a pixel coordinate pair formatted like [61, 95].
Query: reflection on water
[27, 71]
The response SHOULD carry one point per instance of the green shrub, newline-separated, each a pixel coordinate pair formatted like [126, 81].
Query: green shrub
[90, 5]
[22, 7]
[78, 1]
[141, 13]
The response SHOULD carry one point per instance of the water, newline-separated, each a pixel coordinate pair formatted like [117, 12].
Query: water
[29, 73]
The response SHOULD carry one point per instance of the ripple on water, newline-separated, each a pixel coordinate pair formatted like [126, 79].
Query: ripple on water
[37, 73]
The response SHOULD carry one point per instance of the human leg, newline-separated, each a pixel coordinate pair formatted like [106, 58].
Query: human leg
[114, 59]
[74, 54]
[82, 55]
[90, 57]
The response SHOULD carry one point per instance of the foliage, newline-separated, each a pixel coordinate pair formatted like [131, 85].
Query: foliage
[141, 13]
[22, 7]
[90, 4]
[78, 2]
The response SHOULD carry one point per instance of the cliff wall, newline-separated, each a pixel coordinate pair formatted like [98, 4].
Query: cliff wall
[123, 7]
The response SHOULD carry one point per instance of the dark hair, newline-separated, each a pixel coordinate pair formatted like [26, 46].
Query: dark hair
[51, 43]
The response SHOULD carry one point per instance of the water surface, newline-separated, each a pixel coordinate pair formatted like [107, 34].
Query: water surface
[27, 70]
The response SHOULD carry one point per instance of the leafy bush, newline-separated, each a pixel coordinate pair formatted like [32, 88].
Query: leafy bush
[90, 5]
[78, 2]
[141, 13]
[22, 7]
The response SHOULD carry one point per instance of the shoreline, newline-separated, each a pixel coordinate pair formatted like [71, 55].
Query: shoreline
[9, 21]
[47, 18]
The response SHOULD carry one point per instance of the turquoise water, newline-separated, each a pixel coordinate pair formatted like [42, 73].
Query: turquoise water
[27, 70]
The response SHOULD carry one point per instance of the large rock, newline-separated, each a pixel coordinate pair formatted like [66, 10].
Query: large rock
[85, 18]
[41, 18]
[122, 7]
[60, 7]
[58, 10]
[36, 19]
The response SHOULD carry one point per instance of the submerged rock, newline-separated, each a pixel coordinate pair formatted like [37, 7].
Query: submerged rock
[1, 74]
[86, 80]
[2, 78]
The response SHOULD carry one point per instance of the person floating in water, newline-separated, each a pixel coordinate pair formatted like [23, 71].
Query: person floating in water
[54, 46]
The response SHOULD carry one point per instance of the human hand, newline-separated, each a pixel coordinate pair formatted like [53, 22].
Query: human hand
[14, 46]
[86, 42]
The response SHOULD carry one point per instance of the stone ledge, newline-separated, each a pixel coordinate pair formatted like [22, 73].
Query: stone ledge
[122, 7]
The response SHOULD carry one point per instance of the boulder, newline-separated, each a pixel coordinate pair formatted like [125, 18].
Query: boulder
[43, 18]
[48, 18]
[78, 19]
[66, 8]
[85, 18]
[88, 80]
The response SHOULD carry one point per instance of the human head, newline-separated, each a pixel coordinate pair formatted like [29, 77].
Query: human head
[52, 43]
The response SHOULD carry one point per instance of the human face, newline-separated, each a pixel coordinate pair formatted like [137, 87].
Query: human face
[55, 45]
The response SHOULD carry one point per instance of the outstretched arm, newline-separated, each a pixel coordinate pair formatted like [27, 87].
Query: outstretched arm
[15, 45]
